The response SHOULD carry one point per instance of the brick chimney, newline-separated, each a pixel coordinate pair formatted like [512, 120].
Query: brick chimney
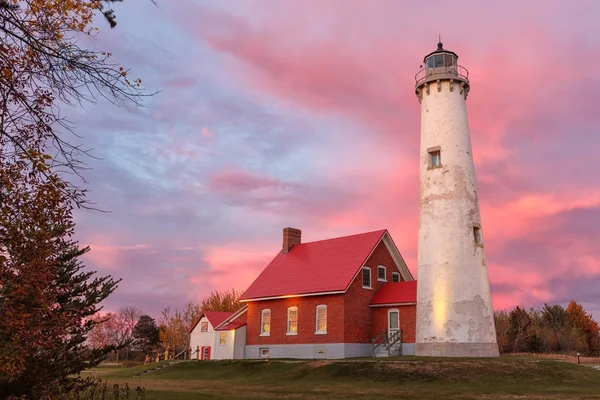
[291, 237]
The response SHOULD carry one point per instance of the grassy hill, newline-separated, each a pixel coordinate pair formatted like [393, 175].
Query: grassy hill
[402, 378]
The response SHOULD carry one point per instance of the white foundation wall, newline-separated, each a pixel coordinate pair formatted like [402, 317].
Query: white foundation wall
[312, 351]
[453, 295]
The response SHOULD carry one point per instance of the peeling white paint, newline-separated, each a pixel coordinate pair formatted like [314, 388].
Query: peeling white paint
[453, 295]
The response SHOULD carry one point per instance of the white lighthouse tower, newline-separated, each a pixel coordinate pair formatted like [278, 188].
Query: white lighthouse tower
[454, 308]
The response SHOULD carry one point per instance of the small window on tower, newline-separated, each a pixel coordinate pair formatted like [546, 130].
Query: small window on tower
[435, 157]
[477, 235]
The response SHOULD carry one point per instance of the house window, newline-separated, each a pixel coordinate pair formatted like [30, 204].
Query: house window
[265, 322]
[263, 352]
[222, 338]
[203, 326]
[381, 273]
[477, 235]
[395, 277]
[292, 321]
[366, 277]
[321, 319]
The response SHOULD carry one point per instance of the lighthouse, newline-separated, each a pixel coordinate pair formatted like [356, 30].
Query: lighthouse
[454, 307]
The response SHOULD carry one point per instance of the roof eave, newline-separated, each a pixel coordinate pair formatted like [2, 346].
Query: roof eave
[410, 303]
[293, 295]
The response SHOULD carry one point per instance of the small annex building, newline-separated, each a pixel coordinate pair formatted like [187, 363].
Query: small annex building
[331, 299]
[219, 335]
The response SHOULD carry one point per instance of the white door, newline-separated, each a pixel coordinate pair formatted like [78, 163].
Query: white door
[393, 322]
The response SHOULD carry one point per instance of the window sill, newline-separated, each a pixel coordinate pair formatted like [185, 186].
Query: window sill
[292, 334]
[381, 280]
[265, 334]
[430, 168]
[321, 333]
[367, 287]
[479, 245]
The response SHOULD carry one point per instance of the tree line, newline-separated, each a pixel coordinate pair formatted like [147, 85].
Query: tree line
[134, 335]
[548, 329]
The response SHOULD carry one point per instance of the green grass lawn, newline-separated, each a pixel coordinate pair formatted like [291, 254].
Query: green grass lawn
[398, 378]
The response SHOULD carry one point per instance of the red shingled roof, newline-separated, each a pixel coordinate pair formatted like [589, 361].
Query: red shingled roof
[214, 317]
[315, 267]
[396, 293]
[234, 321]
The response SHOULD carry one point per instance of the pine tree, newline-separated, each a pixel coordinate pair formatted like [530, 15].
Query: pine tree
[47, 299]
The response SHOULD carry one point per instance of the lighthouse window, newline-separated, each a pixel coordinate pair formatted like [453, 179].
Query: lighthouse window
[439, 60]
[435, 157]
[477, 235]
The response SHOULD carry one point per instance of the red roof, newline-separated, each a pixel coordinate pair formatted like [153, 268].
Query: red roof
[315, 267]
[235, 321]
[232, 325]
[396, 293]
[214, 317]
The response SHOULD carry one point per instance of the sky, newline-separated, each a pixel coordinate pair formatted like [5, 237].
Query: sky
[302, 113]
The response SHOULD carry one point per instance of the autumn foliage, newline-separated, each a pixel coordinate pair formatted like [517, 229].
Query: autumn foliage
[47, 298]
[549, 329]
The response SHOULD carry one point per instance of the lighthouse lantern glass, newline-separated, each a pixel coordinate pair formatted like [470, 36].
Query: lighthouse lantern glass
[441, 60]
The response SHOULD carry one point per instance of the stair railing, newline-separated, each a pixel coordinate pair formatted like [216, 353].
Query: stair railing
[395, 337]
[381, 339]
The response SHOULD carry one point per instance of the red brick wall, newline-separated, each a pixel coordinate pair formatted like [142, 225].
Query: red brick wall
[349, 317]
[358, 318]
[306, 320]
[408, 319]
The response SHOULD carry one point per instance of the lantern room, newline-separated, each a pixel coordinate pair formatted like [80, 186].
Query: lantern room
[441, 64]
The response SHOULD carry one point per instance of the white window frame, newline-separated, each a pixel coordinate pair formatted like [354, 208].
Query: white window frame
[263, 352]
[203, 324]
[222, 338]
[363, 279]
[384, 279]
[263, 332]
[317, 331]
[395, 274]
[391, 310]
[289, 331]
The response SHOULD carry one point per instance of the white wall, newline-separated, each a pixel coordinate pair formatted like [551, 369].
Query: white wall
[240, 343]
[224, 352]
[453, 294]
[201, 339]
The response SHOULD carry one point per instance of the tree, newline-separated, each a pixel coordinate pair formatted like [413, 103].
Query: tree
[101, 335]
[174, 327]
[584, 322]
[46, 298]
[228, 300]
[43, 66]
[520, 332]
[123, 323]
[502, 324]
[145, 334]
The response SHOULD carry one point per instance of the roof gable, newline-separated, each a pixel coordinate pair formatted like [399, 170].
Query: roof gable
[214, 318]
[323, 266]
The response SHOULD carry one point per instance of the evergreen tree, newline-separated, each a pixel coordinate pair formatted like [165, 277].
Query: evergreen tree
[145, 335]
[47, 299]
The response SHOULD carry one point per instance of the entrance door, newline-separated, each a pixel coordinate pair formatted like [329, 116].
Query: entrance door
[206, 352]
[393, 321]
